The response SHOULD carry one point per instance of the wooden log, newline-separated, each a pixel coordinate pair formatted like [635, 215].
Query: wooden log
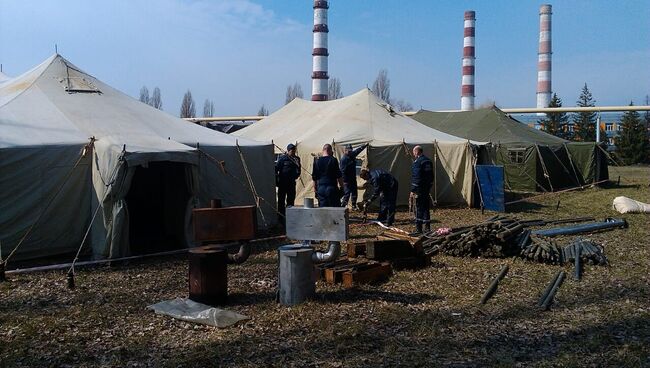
[375, 273]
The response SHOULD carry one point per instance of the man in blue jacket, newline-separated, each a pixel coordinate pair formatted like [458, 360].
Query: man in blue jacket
[385, 187]
[327, 177]
[349, 170]
[287, 171]
[421, 182]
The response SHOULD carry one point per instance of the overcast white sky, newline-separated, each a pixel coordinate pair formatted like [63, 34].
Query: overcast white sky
[243, 54]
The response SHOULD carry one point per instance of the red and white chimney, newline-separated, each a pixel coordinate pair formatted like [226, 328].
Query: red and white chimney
[319, 77]
[467, 84]
[544, 57]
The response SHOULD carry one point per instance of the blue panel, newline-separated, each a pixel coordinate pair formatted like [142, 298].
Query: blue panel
[490, 179]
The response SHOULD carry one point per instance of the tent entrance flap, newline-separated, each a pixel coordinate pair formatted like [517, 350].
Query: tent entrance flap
[157, 205]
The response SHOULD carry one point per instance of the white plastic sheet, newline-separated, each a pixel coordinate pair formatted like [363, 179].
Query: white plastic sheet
[191, 311]
[629, 205]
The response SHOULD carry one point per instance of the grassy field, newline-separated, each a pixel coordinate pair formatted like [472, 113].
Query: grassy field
[429, 317]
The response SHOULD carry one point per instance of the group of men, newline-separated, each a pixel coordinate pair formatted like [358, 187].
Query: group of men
[335, 184]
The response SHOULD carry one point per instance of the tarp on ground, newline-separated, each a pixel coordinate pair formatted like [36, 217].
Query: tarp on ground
[363, 118]
[533, 160]
[47, 119]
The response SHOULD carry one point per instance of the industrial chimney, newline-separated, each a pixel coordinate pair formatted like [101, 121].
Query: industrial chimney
[319, 75]
[467, 84]
[544, 57]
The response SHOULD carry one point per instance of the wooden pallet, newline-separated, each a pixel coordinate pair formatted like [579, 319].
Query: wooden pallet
[368, 274]
[357, 271]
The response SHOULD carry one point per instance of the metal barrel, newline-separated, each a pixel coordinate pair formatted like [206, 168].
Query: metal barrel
[208, 276]
[491, 290]
[297, 280]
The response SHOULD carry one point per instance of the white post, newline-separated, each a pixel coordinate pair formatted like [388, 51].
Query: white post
[598, 127]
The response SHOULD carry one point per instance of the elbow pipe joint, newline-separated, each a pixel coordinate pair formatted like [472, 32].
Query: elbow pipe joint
[332, 253]
[241, 256]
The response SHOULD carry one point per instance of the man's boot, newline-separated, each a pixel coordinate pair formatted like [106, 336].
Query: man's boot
[427, 227]
[418, 229]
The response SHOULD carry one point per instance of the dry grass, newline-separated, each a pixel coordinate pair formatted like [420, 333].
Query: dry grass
[429, 317]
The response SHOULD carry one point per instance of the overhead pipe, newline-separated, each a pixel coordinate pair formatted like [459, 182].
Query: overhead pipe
[513, 110]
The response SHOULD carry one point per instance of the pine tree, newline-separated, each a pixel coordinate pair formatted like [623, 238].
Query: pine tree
[585, 122]
[632, 143]
[555, 122]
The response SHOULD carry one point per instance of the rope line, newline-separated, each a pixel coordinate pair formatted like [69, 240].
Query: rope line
[221, 165]
[541, 160]
[99, 205]
[82, 154]
[251, 184]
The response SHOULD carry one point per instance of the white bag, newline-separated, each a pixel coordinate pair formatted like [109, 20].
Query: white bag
[629, 205]
[191, 311]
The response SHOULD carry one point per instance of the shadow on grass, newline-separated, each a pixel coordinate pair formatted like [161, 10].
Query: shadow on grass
[355, 294]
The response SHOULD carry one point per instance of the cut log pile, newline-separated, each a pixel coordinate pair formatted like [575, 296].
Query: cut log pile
[502, 236]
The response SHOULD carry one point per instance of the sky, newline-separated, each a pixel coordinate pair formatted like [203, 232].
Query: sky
[244, 53]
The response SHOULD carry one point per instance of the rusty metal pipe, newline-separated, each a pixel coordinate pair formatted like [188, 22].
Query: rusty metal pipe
[241, 256]
[332, 253]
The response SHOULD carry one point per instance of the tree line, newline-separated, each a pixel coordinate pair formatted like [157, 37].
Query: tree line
[380, 87]
[632, 142]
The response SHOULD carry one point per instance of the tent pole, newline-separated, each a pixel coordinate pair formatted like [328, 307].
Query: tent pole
[541, 159]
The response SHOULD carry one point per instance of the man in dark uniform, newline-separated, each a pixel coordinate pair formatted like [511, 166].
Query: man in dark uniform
[327, 177]
[421, 182]
[287, 170]
[385, 187]
[349, 170]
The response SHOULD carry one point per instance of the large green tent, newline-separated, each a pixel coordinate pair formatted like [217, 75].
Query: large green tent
[532, 160]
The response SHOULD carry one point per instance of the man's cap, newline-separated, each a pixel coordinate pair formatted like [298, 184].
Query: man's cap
[291, 146]
[348, 146]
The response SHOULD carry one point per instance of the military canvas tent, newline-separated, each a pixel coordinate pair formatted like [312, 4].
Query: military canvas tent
[532, 159]
[72, 146]
[364, 118]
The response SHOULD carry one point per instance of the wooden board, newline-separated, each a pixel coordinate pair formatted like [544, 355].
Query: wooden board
[382, 250]
[356, 249]
[373, 273]
[224, 224]
[323, 223]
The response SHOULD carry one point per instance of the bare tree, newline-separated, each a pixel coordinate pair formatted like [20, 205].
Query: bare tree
[208, 108]
[294, 91]
[487, 104]
[381, 86]
[401, 105]
[334, 89]
[187, 106]
[156, 100]
[263, 111]
[144, 95]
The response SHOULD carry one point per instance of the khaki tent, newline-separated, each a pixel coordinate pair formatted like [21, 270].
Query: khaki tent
[532, 160]
[364, 118]
[72, 146]
[4, 77]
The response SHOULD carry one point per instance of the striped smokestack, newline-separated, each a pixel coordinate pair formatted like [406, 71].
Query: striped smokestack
[544, 57]
[467, 84]
[319, 75]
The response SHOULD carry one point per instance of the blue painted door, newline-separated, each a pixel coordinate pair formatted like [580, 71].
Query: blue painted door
[490, 180]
